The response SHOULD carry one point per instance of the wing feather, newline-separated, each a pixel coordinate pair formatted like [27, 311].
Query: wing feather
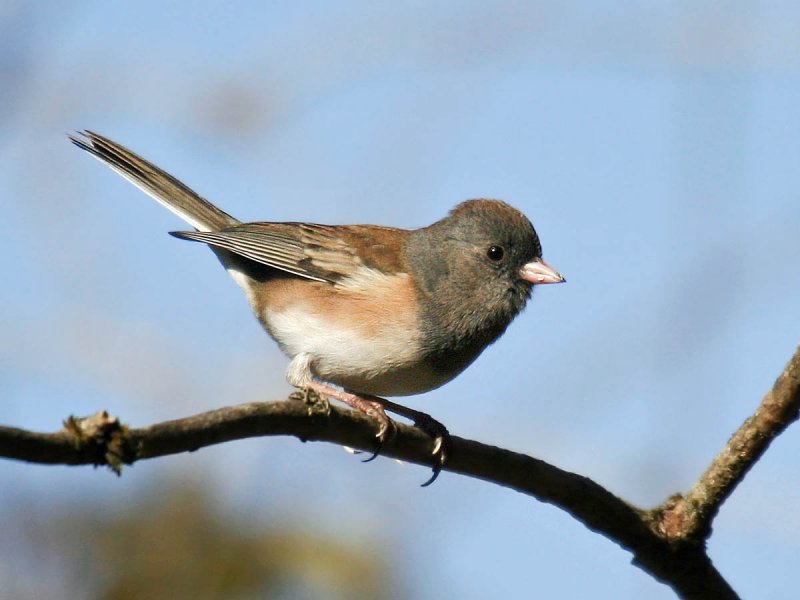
[315, 252]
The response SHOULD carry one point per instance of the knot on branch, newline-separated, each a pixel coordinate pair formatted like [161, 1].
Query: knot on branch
[102, 437]
[680, 521]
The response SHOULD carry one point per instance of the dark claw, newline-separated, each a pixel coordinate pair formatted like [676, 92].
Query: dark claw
[379, 448]
[437, 468]
[441, 443]
[441, 446]
[432, 428]
[385, 431]
[374, 454]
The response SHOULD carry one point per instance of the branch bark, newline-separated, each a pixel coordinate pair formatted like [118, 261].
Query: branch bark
[668, 541]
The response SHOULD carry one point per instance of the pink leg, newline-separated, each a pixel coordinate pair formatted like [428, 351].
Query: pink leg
[363, 404]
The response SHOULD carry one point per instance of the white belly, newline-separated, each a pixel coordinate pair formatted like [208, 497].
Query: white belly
[381, 358]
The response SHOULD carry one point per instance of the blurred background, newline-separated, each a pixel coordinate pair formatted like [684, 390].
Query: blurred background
[656, 147]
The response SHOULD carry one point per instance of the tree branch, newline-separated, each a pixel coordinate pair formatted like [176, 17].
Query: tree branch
[690, 516]
[668, 542]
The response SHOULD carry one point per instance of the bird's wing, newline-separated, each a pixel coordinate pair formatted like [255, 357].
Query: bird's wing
[333, 254]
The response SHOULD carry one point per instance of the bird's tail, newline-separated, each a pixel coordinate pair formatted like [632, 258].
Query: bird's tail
[181, 200]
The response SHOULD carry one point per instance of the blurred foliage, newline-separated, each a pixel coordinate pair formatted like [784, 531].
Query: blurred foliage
[177, 545]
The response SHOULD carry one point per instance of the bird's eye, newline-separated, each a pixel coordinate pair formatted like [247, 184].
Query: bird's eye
[495, 253]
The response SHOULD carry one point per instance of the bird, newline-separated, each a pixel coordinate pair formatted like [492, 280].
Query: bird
[365, 311]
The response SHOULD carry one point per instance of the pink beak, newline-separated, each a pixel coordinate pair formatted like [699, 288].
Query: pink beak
[537, 271]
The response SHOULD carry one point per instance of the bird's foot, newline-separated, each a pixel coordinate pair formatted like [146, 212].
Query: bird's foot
[366, 405]
[430, 426]
[376, 408]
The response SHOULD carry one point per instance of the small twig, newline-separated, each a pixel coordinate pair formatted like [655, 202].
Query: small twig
[690, 516]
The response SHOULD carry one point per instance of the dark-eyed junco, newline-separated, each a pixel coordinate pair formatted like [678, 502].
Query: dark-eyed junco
[364, 311]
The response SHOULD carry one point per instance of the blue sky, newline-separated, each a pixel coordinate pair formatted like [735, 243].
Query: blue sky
[654, 146]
